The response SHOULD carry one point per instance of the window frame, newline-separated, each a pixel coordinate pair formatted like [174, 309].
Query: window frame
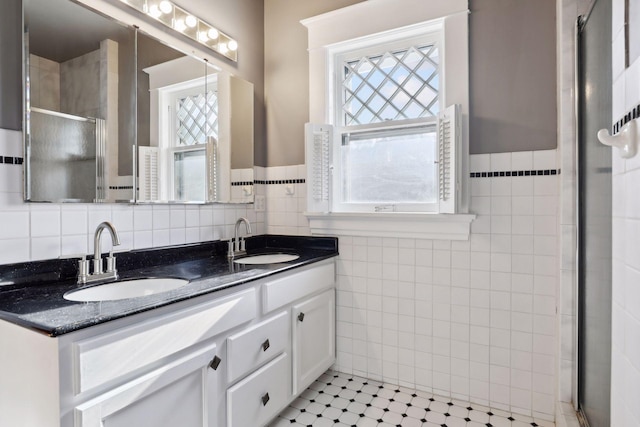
[358, 25]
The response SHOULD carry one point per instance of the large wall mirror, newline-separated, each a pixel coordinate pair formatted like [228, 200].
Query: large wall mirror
[113, 114]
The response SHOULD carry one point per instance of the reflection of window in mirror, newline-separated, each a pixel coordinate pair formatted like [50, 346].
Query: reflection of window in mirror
[193, 115]
[632, 31]
[184, 113]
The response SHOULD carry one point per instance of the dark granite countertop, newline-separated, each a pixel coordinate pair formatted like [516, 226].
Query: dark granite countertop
[31, 294]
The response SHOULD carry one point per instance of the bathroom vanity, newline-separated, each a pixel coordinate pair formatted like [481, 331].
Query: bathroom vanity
[232, 348]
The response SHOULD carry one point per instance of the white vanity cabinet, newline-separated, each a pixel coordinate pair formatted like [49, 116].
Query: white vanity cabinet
[232, 358]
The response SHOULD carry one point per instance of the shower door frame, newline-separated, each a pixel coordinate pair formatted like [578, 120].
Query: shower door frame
[578, 101]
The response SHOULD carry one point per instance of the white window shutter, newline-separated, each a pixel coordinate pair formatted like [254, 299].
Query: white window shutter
[211, 165]
[449, 134]
[318, 158]
[148, 173]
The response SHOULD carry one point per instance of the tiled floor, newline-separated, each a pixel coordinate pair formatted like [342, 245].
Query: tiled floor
[342, 400]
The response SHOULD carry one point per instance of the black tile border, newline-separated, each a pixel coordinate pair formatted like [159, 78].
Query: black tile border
[9, 160]
[121, 187]
[241, 183]
[280, 181]
[536, 172]
[634, 113]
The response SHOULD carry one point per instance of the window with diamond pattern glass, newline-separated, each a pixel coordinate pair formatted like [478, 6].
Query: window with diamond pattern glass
[197, 118]
[395, 85]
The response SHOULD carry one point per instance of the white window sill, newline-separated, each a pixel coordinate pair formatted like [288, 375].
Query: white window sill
[392, 224]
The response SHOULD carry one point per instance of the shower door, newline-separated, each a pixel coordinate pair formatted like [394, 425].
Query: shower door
[594, 215]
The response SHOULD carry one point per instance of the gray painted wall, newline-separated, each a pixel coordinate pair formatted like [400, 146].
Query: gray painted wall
[512, 76]
[11, 65]
[512, 65]
[286, 70]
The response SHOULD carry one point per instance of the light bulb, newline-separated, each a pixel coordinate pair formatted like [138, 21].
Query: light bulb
[213, 34]
[165, 6]
[223, 48]
[154, 11]
[191, 21]
[179, 25]
[233, 45]
[203, 37]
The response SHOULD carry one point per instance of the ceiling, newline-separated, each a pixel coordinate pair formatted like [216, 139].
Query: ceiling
[60, 30]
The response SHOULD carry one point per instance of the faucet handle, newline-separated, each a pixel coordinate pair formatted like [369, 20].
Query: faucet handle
[83, 269]
[230, 249]
[111, 263]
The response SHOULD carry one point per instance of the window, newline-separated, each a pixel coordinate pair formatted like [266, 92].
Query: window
[390, 97]
[387, 102]
[387, 153]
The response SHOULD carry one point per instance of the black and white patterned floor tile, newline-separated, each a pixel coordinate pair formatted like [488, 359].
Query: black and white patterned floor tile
[342, 400]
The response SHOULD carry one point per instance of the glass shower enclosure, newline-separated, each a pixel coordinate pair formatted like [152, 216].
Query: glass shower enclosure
[66, 157]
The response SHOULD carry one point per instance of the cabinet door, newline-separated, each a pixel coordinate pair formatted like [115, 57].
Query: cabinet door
[177, 394]
[313, 339]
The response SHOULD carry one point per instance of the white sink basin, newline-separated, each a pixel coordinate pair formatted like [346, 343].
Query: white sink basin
[125, 289]
[266, 259]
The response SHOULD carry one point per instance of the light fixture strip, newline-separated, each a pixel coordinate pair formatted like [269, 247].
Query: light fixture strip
[179, 19]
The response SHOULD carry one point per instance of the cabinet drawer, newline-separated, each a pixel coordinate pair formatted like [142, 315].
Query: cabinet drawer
[122, 352]
[260, 396]
[279, 292]
[253, 347]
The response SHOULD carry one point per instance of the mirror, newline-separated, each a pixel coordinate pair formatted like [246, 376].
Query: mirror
[89, 78]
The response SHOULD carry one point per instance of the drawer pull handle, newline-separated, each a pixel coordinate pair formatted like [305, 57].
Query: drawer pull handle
[265, 399]
[301, 317]
[215, 363]
[266, 345]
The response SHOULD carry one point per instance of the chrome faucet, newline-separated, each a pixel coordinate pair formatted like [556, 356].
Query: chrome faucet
[98, 274]
[237, 245]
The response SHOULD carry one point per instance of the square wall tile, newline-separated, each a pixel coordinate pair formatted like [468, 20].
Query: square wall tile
[15, 224]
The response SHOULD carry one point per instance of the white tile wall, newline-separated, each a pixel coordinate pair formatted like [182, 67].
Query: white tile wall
[285, 202]
[43, 231]
[473, 320]
[625, 355]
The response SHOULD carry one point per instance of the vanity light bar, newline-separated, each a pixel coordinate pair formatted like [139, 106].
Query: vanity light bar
[191, 26]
